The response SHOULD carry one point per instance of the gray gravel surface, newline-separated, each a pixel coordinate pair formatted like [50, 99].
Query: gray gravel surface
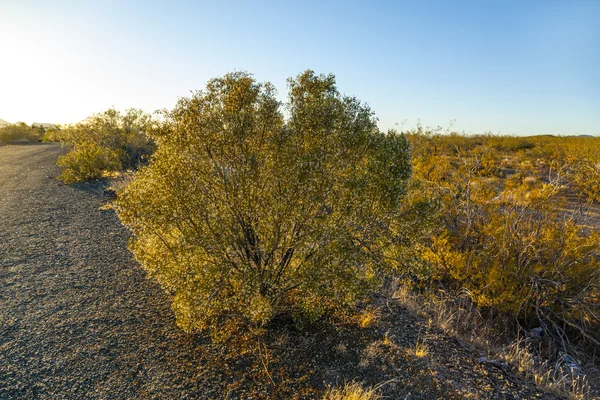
[78, 319]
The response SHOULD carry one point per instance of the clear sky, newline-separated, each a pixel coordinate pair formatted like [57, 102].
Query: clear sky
[509, 67]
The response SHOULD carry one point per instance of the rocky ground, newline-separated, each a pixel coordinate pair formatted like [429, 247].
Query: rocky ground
[78, 319]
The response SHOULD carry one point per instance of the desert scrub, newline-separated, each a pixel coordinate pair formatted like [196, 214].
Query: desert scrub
[243, 214]
[505, 238]
[20, 131]
[87, 161]
[105, 143]
[585, 176]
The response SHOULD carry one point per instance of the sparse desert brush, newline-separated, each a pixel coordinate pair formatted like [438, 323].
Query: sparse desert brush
[87, 161]
[244, 214]
[20, 131]
[506, 239]
[52, 135]
[585, 174]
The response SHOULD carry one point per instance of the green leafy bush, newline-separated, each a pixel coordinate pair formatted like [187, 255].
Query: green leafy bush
[243, 215]
[107, 142]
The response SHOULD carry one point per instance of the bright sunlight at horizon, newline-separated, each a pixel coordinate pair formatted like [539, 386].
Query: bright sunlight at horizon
[508, 67]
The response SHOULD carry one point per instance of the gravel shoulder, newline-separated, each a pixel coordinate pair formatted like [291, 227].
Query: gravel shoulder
[78, 318]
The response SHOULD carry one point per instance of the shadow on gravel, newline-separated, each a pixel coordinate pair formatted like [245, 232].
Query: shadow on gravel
[99, 187]
[287, 363]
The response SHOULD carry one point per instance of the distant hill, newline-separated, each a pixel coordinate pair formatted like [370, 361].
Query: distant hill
[43, 125]
[4, 123]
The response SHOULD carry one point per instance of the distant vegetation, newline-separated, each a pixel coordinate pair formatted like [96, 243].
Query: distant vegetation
[106, 143]
[21, 132]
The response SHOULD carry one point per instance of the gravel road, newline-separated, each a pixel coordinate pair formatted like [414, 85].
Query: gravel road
[78, 319]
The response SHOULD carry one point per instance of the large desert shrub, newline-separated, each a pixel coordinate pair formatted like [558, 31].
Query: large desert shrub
[251, 209]
[106, 142]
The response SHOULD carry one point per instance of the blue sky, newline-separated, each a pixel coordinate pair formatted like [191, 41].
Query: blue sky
[509, 67]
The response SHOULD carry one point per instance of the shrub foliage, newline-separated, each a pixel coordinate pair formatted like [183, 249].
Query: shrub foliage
[20, 132]
[107, 142]
[251, 208]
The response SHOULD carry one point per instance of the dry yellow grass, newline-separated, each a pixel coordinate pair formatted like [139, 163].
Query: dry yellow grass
[351, 391]
[368, 318]
[421, 349]
[552, 378]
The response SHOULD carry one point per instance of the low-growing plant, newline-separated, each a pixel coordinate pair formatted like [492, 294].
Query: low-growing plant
[552, 377]
[585, 175]
[368, 317]
[53, 134]
[243, 214]
[351, 391]
[421, 350]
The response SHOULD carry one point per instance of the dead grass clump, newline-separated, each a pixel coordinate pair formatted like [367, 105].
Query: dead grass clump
[352, 391]
[421, 349]
[368, 317]
[457, 317]
[554, 377]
